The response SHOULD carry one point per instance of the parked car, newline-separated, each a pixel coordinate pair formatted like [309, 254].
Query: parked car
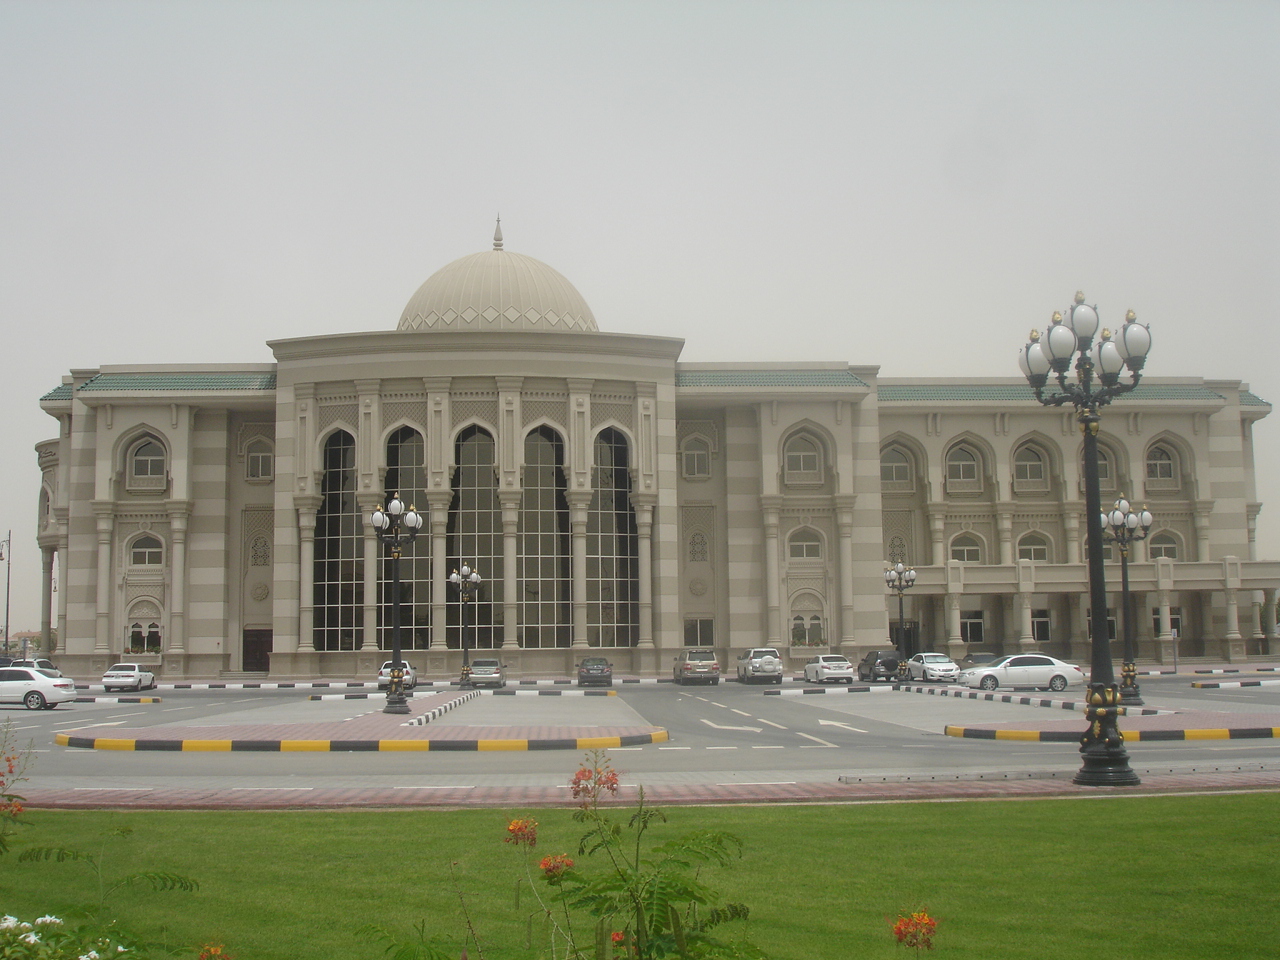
[128, 676]
[760, 663]
[977, 659]
[410, 676]
[879, 665]
[488, 673]
[34, 689]
[828, 666]
[44, 666]
[696, 666]
[1024, 670]
[595, 670]
[933, 666]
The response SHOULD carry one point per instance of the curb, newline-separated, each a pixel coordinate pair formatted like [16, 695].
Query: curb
[118, 700]
[1069, 736]
[1226, 684]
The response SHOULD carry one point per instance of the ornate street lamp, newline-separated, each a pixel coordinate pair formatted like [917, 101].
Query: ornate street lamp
[468, 583]
[1125, 527]
[1098, 366]
[395, 526]
[901, 578]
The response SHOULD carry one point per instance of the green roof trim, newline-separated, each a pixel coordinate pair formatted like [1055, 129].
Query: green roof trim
[1007, 392]
[1250, 399]
[134, 382]
[768, 378]
[61, 392]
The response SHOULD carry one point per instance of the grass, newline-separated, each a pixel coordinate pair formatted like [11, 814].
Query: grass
[1161, 877]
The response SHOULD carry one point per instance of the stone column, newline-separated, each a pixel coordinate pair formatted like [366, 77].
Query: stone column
[1005, 527]
[844, 524]
[104, 515]
[772, 578]
[955, 644]
[1269, 618]
[510, 501]
[1231, 594]
[1080, 642]
[1026, 639]
[937, 530]
[306, 573]
[368, 636]
[46, 601]
[644, 557]
[1071, 530]
[439, 520]
[578, 506]
[179, 512]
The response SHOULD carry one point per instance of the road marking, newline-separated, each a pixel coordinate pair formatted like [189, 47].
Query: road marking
[126, 714]
[715, 704]
[770, 723]
[767, 746]
[720, 748]
[171, 709]
[815, 740]
[675, 748]
[625, 748]
[251, 700]
[742, 713]
[719, 726]
[762, 783]
[843, 726]
[81, 723]
[272, 788]
[114, 788]
[29, 727]
[426, 786]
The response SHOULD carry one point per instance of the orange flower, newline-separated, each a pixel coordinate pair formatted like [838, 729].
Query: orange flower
[522, 832]
[555, 866]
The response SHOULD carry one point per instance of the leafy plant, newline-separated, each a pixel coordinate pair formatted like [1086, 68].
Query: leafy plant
[13, 766]
[157, 880]
[915, 930]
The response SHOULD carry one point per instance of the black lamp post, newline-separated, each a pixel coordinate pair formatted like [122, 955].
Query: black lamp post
[468, 582]
[396, 526]
[901, 578]
[1125, 527]
[1098, 366]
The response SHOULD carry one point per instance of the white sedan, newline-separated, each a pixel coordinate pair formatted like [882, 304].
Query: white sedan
[34, 689]
[408, 681]
[932, 666]
[1024, 670]
[128, 676]
[829, 666]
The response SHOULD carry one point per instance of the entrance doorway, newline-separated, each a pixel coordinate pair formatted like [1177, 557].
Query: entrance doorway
[257, 651]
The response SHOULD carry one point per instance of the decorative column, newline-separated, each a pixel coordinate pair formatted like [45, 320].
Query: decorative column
[1269, 618]
[772, 576]
[368, 636]
[644, 557]
[1231, 594]
[1026, 638]
[439, 518]
[844, 525]
[954, 639]
[1005, 527]
[1071, 529]
[105, 518]
[578, 506]
[510, 501]
[937, 530]
[179, 513]
[46, 601]
[307, 507]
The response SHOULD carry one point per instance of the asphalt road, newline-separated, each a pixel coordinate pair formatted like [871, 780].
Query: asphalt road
[725, 734]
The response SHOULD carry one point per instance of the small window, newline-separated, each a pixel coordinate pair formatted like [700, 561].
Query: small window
[1163, 545]
[1040, 626]
[259, 461]
[1160, 464]
[1111, 623]
[699, 632]
[1033, 547]
[966, 549]
[803, 460]
[962, 464]
[1028, 465]
[145, 552]
[695, 459]
[805, 545]
[895, 468]
[971, 626]
[146, 467]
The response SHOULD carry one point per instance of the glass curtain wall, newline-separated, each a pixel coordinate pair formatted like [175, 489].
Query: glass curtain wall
[339, 549]
[546, 613]
[406, 475]
[613, 612]
[475, 538]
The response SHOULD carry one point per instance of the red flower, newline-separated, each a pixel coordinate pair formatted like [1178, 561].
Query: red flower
[522, 832]
[619, 936]
[555, 866]
[916, 930]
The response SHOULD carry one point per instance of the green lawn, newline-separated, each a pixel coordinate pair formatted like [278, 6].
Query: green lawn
[1164, 877]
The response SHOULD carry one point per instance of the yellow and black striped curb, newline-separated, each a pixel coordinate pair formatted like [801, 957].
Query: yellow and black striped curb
[1050, 702]
[360, 746]
[495, 693]
[1225, 684]
[118, 700]
[1073, 736]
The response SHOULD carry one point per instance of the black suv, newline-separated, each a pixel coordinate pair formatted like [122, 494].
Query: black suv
[879, 665]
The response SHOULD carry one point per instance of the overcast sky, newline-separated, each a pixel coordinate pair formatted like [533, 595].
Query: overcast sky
[913, 185]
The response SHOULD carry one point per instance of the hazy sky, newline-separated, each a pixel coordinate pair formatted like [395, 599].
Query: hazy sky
[913, 185]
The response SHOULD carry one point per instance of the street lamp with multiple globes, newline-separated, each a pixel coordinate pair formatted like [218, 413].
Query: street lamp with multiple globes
[1127, 526]
[395, 526]
[901, 578]
[468, 582]
[1098, 366]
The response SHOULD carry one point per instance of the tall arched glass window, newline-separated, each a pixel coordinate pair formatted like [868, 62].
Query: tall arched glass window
[966, 548]
[1161, 464]
[339, 549]
[962, 464]
[895, 467]
[613, 613]
[148, 459]
[146, 551]
[475, 538]
[406, 476]
[1028, 464]
[546, 609]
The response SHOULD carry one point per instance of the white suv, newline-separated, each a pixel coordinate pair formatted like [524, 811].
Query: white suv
[760, 663]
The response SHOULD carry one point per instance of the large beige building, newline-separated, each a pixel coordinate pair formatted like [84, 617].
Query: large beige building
[212, 519]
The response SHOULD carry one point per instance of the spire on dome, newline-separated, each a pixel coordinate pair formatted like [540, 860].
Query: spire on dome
[497, 235]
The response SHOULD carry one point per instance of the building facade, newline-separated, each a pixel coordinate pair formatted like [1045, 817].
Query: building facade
[211, 520]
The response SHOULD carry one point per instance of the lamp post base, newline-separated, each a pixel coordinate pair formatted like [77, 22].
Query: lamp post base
[1106, 762]
[1130, 695]
[396, 702]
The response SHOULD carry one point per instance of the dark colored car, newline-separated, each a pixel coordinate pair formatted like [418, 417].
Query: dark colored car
[879, 665]
[595, 670]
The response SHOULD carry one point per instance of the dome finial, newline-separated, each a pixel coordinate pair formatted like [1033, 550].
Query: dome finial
[497, 235]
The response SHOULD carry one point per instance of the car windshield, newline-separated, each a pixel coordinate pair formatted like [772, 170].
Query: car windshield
[834, 660]
[594, 662]
[123, 668]
[484, 663]
[1000, 661]
[699, 655]
[936, 658]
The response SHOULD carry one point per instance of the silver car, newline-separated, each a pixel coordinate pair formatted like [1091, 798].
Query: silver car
[933, 666]
[760, 663]
[488, 673]
[408, 683]
[696, 666]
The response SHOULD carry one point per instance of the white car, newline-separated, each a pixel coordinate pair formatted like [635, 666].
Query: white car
[410, 676]
[128, 676]
[44, 666]
[932, 666]
[760, 663]
[828, 666]
[491, 673]
[34, 689]
[1024, 670]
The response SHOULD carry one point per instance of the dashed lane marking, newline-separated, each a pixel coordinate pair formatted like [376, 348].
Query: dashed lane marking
[771, 723]
[818, 740]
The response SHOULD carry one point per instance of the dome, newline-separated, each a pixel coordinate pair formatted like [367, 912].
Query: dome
[497, 290]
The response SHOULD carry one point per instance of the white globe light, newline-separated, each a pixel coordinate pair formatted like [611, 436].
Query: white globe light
[1084, 321]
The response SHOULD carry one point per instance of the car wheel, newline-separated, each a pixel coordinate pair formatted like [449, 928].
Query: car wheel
[50, 706]
[33, 700]
[989, 683]
[138, 688]
[1058, 684]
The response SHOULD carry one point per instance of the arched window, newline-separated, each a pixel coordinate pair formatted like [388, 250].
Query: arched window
[895, 468]
[259, 460]
[805, 544]
[1163, 545]
[339, 549]
[1028, 464]
[406, 477]
[966, 548]
[695, 459]
[1033, 547]
[613, 585]
[963, 474]
[146, 466]
[803, 460]
[1162, 468]
[146, 551]
[546, 583]
[475, 538]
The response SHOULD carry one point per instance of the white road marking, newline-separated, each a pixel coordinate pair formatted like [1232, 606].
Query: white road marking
[762, 783]
[272, 788]
[843, 726]
[113, 788]
[742, 713]
[815, 740]
[767, 746]
[720, 748]
[140, 714]
[675, 748]
[770, 723]
[719, 726]
[424, 786]
[714, 704]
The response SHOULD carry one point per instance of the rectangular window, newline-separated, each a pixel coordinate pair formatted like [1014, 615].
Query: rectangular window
[1111, 623]
[1040, 626]
[1175, 621]
[971, 626]
[699, 632]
